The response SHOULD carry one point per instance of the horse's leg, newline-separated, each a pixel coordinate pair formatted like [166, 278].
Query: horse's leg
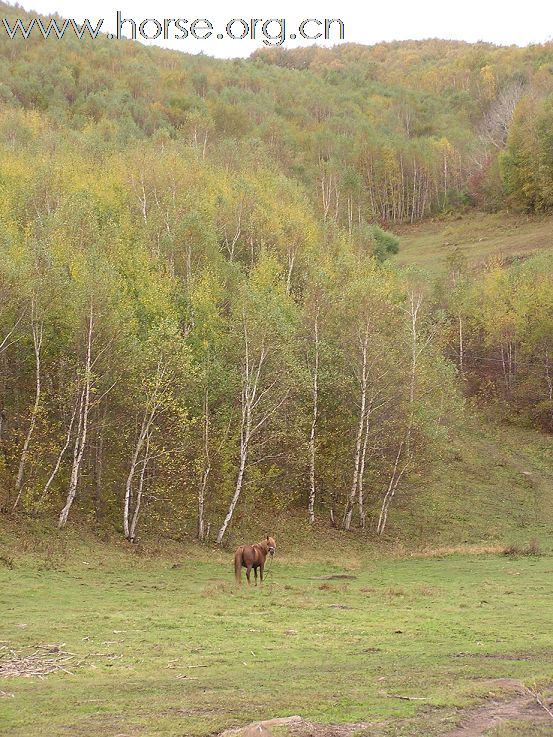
[255, 574]
[261, 571]
[248, 571]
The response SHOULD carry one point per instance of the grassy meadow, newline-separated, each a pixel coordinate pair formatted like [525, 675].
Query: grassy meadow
[163, 643]
[167, 645]
[479, 235]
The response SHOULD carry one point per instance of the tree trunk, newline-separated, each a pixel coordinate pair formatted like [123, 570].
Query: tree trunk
[206, 471]
[291, 260]
[6, 343]
[151, 409]
[244, 448]
[359, 436]
[143, 440]
[314, 417]
[82, 428]
[130, 476]
[392, 487]
[360, 478]
[250, 384]
[461, 349]
[548, 377]
[99, 466]
[140, 490]
[61, 453]
[37, 344]
[405, 445]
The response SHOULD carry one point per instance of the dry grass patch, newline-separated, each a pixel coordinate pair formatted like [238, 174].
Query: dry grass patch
[464, 549]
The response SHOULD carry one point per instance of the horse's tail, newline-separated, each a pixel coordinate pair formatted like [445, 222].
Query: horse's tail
[238, 565]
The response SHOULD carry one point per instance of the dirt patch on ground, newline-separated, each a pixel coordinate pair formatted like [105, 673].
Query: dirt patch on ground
[523, 707]
[261, 727]
[518, 704]
[328, 730]
[296, 726]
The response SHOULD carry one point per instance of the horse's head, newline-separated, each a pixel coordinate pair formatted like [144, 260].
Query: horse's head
[271, 545]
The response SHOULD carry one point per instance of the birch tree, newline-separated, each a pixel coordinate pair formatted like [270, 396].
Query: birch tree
[82, 421]
[366, 359]
[417, 343]
[153, 405]
[363, 386]
[317, 305]
[314, 415]
[37, 334]
[208, 346]
[159, 396]
[264, 317]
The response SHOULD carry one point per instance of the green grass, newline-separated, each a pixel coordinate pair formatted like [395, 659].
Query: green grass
[521, 729]
[479, 235]
[414, 621]
[493, 486]
[179, 651]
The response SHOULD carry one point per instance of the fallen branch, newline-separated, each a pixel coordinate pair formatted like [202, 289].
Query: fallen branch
[282, 721]
[42, 662]
[535, 695]
[406, 698]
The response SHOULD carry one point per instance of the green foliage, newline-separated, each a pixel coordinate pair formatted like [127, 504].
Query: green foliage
[391, 132]
[386, 244]
[170, 221]
[527, 164]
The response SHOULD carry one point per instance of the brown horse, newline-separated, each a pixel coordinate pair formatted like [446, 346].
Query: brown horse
[253, 556]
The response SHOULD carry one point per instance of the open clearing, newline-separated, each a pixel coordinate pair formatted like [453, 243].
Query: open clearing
[479, 235]
[165, 647]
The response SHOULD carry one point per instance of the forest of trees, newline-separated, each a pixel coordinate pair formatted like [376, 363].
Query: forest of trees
[199, 312]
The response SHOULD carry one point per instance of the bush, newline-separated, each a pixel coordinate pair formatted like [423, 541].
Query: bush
[385, 243]
[532, 548]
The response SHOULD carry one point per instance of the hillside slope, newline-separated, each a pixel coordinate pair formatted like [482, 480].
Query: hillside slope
[494, 485]
[390, 132]
[478, 235]
[199, 316]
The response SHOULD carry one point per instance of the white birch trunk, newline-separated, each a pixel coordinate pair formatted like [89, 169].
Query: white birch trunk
[314, 418]
[244, 448]
[206, 471]
[461, 348]
[405, 445]
[291, 261]
[250, 385]
[140, 490]
[361, 476]
[6, 343]
[37, 344]
[82, 429]
[392, 487]
[359, 436]
[548, 377]
[127, 507]
[61, 453]
[151, 409]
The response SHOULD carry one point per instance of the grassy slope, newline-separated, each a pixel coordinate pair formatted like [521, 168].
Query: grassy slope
[496, 482]
[479, 235]
[494, 485]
